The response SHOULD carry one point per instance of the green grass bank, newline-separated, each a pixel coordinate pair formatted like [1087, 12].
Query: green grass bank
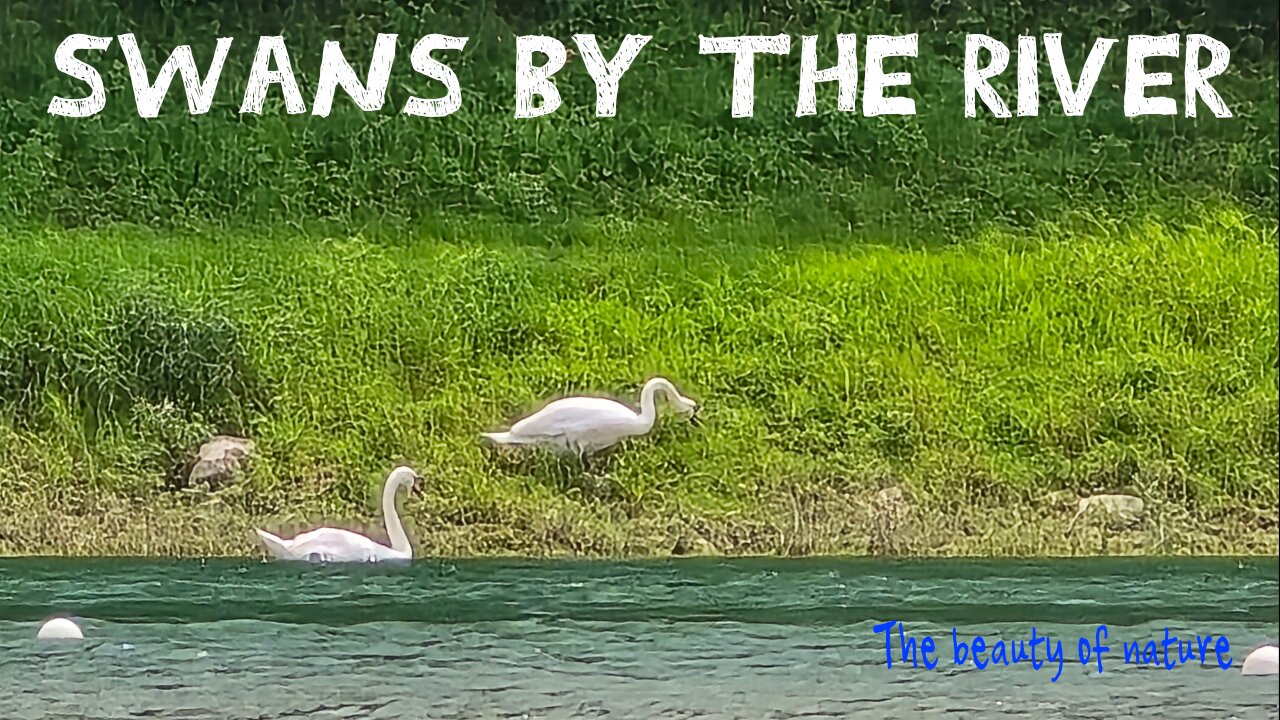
[991, 382]
[922, 334]
[673, 145]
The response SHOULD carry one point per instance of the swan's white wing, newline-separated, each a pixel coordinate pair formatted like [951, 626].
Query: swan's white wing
[336, 545]
[577, 415]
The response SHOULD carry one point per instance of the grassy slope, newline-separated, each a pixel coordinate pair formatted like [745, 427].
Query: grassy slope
[857, 326]
[673, 143]
[979, 377]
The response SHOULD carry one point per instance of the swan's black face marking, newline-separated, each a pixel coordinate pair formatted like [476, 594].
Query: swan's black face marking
[694, 419]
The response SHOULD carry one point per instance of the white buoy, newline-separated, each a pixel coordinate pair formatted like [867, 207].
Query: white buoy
[1262, 661]
[60, 629]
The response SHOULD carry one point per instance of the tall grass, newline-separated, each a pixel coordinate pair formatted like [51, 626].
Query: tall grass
[672, 145]
[979, 317]
[989, 374]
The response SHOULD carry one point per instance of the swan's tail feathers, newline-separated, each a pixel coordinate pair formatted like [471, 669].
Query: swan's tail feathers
[503, 438]
[277, 547]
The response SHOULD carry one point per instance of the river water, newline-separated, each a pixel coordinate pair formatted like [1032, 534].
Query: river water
[697, 638]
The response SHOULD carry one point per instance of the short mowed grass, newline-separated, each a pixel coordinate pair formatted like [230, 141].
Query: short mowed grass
[859, 397]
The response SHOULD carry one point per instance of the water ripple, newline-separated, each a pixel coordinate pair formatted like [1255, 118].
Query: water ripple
[679, 639]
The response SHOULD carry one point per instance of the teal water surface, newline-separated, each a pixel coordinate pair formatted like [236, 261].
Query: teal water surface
[662, 639]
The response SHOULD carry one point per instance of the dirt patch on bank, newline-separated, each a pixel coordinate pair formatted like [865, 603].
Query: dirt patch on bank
[802, 520]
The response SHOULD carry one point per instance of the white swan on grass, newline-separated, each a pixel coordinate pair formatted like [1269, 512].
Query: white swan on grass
[585, 425]
[336, 545]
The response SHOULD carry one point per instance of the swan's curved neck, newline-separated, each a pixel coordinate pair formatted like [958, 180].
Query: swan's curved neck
[649, 401]
[395, 531]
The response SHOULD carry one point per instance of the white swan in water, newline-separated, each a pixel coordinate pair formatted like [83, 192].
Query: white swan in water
[336, 545]
[584, 425]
